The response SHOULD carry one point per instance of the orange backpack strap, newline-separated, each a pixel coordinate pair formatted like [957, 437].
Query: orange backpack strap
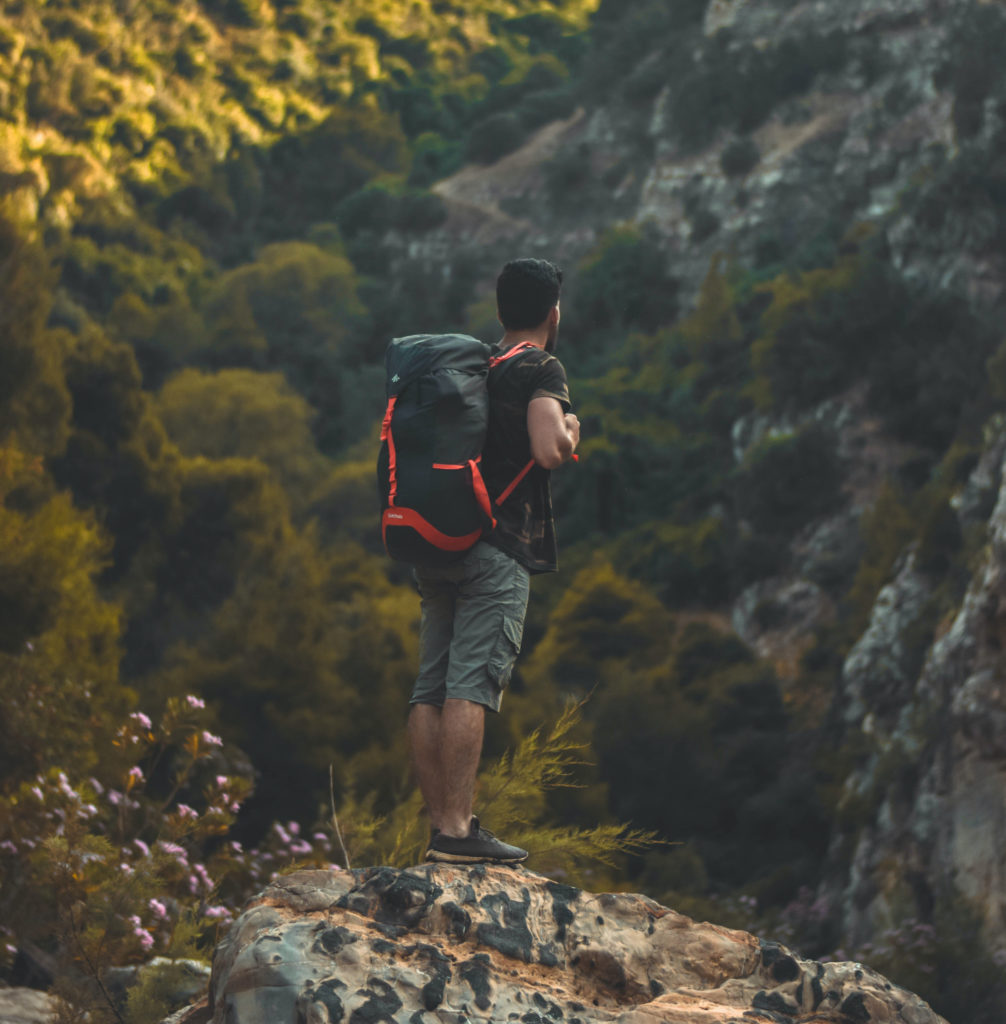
[387, 436]
[521, 346]
[513, 483]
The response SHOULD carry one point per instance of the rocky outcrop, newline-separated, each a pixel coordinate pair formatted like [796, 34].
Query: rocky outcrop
[932, 782]
[26, 1006]
[458, 944]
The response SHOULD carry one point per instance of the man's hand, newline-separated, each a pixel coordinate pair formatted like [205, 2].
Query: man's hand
[554, 435]
[573, 427]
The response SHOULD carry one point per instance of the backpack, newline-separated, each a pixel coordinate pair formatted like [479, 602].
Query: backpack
[434, 502]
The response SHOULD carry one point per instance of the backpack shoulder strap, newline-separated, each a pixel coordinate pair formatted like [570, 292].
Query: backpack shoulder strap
[503, 358]
[522, 346]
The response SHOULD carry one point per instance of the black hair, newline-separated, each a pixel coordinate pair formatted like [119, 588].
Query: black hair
[526, 291]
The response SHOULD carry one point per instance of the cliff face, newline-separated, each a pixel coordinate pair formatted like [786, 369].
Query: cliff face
[440, 943]
[933, 783]
[871, 139]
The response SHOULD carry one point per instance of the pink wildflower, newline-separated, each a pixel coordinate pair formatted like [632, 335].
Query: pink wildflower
[136, 773]
[216, 912]
[222, 781]
[114, 797]
[159, 909]
[176, 851]
[187, 812]
[210, 740]
[194, 702]
[142, 847]
[141, 720]
[37, 793]
[8, 847]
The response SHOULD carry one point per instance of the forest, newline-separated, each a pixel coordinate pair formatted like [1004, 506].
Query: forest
[213, 217]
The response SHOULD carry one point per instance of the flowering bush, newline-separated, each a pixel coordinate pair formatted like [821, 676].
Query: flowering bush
[117, 869]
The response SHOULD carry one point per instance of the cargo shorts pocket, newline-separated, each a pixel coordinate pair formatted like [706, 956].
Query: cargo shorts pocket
[504, 654]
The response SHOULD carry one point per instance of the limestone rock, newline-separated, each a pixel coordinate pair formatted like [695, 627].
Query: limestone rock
[26, 1006]
[943, 815]
[439, 943]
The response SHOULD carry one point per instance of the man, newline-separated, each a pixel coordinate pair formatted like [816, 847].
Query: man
[473, 610]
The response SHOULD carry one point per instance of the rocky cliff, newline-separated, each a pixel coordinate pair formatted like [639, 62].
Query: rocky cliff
[449, 944]
[932, 781]
[869, 128]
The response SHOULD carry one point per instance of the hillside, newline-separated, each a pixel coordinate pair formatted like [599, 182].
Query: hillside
[784, 232]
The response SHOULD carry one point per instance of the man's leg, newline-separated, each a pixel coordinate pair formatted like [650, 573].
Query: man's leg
[488, 615]
[436, 631]
[446, 745]
[424, 746]
[461, 726]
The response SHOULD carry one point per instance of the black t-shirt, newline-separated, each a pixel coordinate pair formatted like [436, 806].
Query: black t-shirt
[525, 529]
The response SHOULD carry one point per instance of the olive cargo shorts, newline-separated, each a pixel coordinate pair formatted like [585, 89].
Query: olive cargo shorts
[471, 628]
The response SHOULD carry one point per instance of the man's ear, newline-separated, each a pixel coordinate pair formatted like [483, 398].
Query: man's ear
[553, 316]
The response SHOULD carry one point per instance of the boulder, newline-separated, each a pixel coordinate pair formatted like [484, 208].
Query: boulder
[444, 943]
[26, 1006]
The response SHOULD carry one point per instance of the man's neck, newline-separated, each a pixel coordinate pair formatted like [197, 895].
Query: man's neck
[511, 338]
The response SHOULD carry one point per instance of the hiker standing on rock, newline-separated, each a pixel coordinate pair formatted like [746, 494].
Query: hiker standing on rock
[473, 609]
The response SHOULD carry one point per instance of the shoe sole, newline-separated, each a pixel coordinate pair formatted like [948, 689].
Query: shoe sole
[439, 857]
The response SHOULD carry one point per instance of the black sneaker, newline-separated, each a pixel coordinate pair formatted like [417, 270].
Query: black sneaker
[480, 845]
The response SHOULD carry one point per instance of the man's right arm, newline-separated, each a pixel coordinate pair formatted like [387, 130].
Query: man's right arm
[554, 434]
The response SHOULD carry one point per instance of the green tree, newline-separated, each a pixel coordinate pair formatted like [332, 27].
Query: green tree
[247, 414]
[295, 310]
[34, 402]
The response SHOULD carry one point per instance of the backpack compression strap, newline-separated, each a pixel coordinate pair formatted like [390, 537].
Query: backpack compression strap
[387, 436]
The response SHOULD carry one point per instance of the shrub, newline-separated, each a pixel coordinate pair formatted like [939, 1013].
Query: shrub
[538, 108]
[243, 13]
[705, 223]
[420, 211]
[371, 207]
[433, 158]
[623, 282]
[686, 564]
[973, 67]
[130, 862]
[739, 157]
[786, 481]
[494, 137]
[567, 173]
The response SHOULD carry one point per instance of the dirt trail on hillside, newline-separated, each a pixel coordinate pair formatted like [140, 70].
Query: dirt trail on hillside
[474, 194]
